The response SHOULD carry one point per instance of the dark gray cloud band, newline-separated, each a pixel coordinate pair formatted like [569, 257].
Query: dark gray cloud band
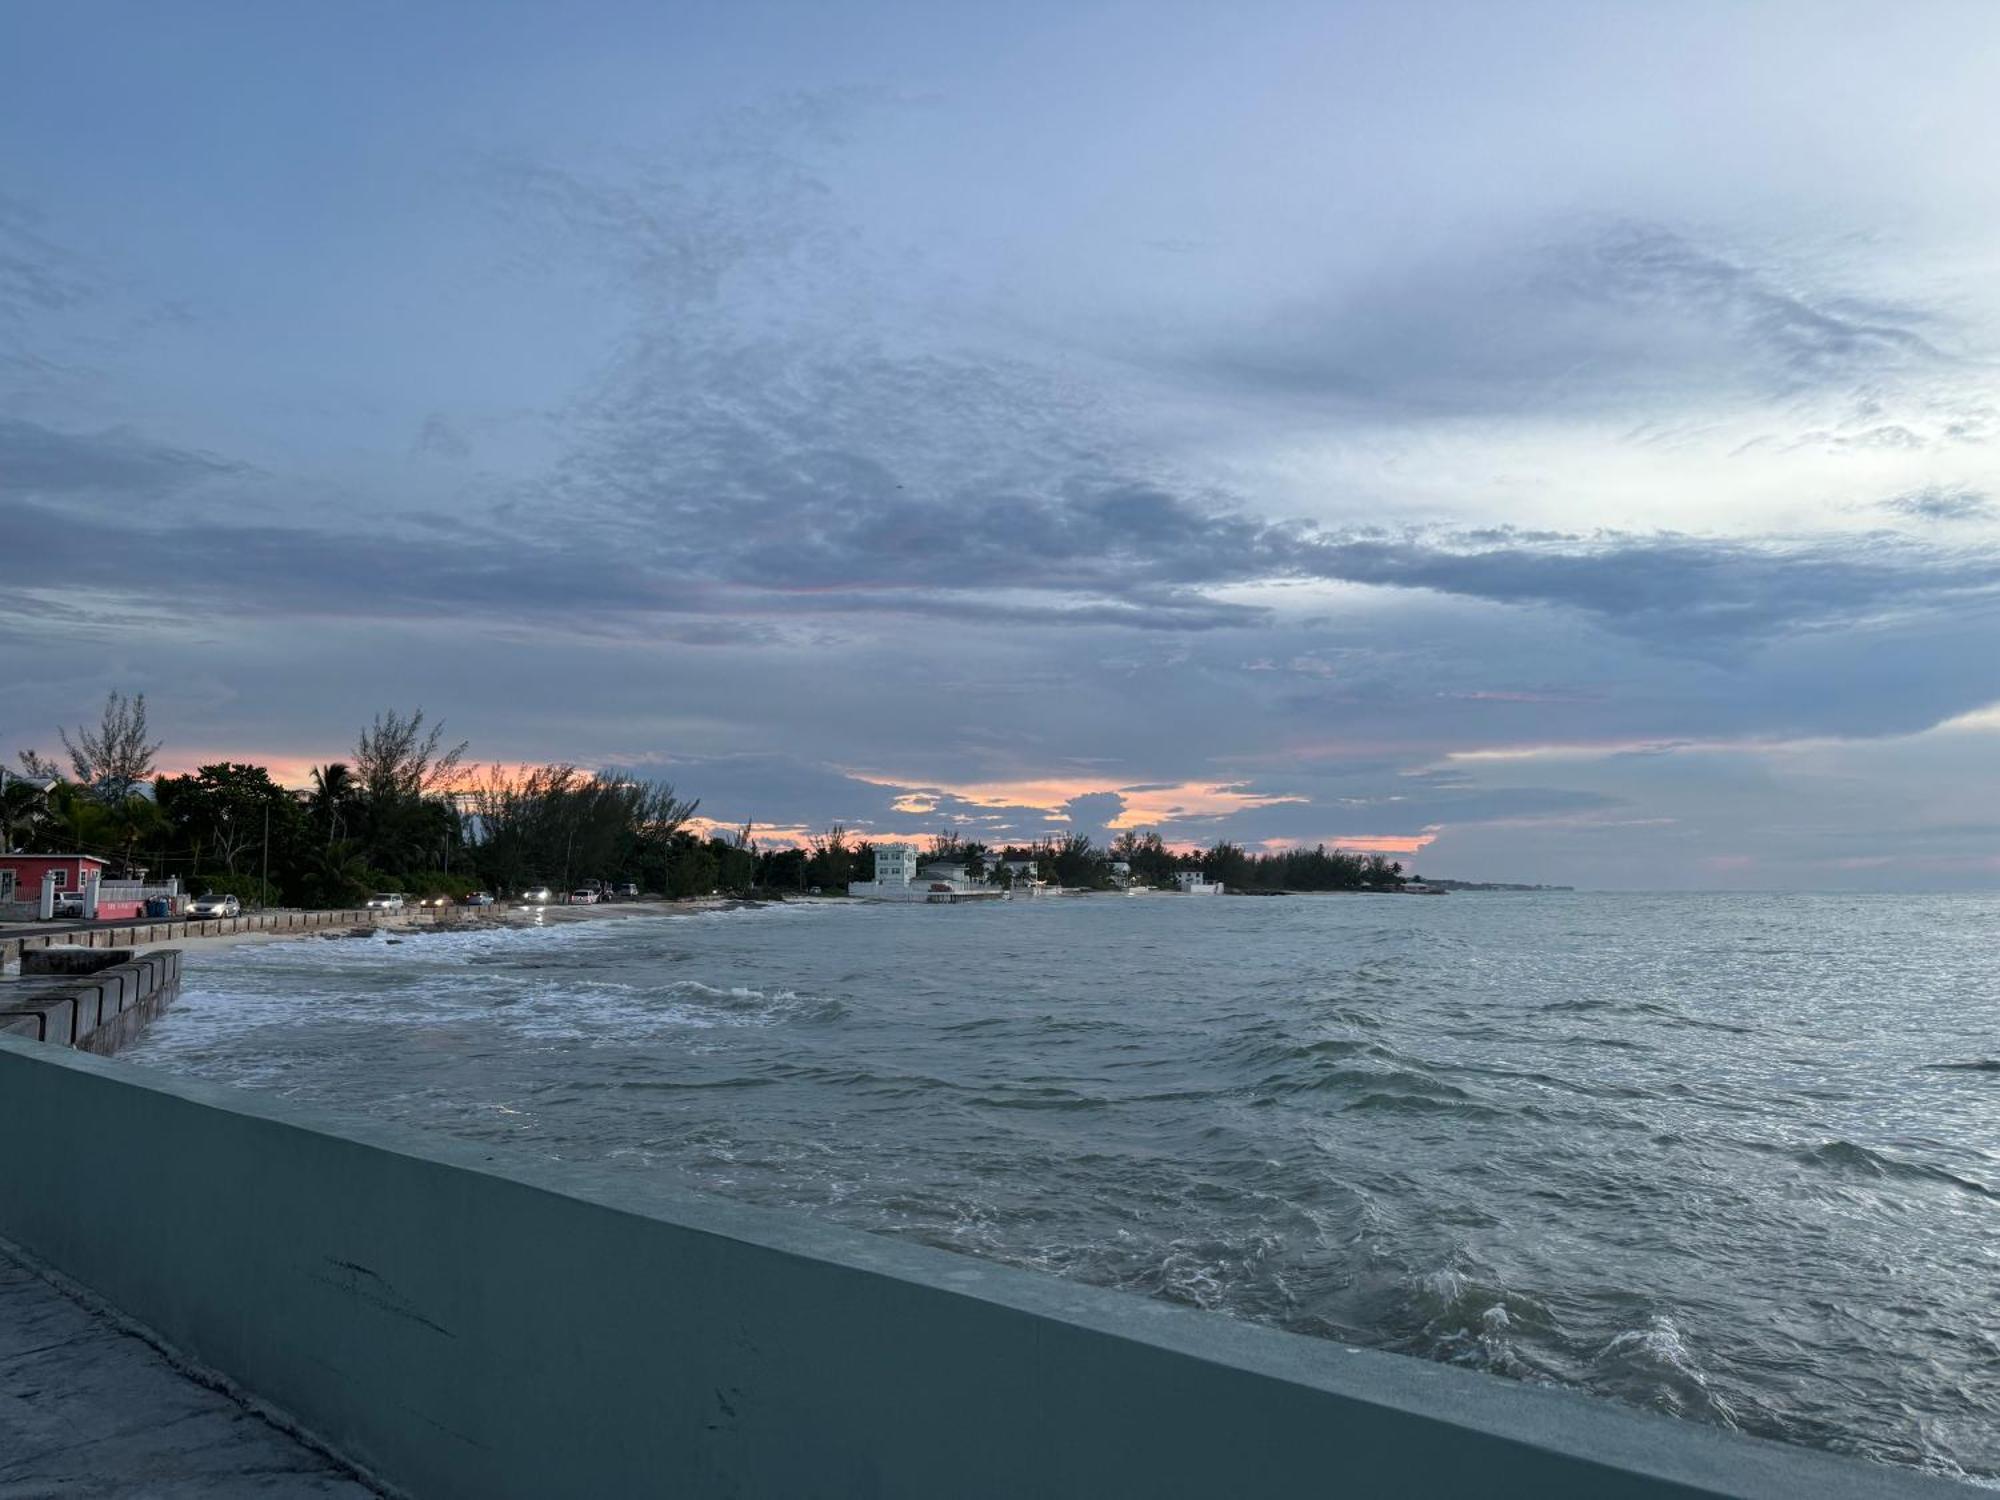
[831, 534]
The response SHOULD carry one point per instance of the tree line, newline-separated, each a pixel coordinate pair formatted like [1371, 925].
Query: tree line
[404, 810]
[1077, 862]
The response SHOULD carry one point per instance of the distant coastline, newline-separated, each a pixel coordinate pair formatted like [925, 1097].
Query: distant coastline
[1485, 885]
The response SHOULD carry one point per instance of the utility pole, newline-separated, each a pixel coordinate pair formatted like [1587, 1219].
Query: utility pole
[265, 893]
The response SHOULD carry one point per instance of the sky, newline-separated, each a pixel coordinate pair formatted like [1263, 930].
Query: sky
[1544, 442]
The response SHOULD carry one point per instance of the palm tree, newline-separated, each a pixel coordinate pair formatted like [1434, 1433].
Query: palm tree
[134, 819]
[23, 805]
[76, 821]
[334, 791]
[339, 876]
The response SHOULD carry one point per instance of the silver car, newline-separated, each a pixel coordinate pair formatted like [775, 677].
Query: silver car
[214, 906]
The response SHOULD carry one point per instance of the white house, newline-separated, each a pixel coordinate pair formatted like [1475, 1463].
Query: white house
[895, 869]
[1194, 883]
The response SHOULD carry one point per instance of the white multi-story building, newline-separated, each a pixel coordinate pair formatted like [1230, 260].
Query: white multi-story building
[1194, 883]
[895, 865]
[897, 879]
[895, 875]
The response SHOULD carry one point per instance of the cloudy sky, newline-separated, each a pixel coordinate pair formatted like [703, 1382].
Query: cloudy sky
[1555, 442]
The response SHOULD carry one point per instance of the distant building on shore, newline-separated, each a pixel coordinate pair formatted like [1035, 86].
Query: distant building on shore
[895, 874]
[1194, 883]
[898, 878]
[895, 864]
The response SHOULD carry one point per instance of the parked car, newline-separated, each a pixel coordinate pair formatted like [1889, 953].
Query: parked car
[386, 901]
[539, 895]
[69, 903]
[477, 898]
[434, 901]
[583, 898]
[628, 889]
[213, 905]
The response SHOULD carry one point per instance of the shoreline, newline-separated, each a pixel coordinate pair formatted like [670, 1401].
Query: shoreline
[513, 917]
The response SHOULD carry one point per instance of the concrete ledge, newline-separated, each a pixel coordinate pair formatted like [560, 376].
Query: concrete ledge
[464, 1327]
[98, 1011]
[96, 1002]
[54, 1018]
[71, 960]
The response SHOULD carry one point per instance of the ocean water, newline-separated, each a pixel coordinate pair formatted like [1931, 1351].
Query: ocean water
[1723, 1157]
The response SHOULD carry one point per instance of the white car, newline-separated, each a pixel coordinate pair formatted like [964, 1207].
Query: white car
[214, 906]
[386, 901]
[583, 898]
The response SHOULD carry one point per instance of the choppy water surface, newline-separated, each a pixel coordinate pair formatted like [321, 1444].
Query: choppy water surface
[1695, 1153]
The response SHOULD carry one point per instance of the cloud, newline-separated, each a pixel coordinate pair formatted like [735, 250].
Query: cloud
[736, 198]
[802, 473]
[786, 548]
[37, 275]
[1672, 589]
[439, 438]
[1938, 503]
[1628, 312]
[38, 461]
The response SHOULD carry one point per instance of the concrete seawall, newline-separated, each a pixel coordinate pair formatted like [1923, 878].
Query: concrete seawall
[143, 934]
[94, 999]
[464, 1325]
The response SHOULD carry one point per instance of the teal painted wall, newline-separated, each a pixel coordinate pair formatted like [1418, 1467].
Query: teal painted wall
[467, 1326]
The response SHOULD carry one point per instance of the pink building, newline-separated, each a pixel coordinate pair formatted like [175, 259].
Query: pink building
[21, 882]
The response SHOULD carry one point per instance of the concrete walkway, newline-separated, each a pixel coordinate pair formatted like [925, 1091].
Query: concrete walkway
[87, 1410]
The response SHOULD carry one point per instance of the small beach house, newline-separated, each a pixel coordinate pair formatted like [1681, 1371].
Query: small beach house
[21, 878]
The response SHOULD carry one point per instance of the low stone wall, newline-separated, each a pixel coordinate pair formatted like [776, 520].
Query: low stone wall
[96, 1008]
[141, 934]
[462, 1326]
[72, 960]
